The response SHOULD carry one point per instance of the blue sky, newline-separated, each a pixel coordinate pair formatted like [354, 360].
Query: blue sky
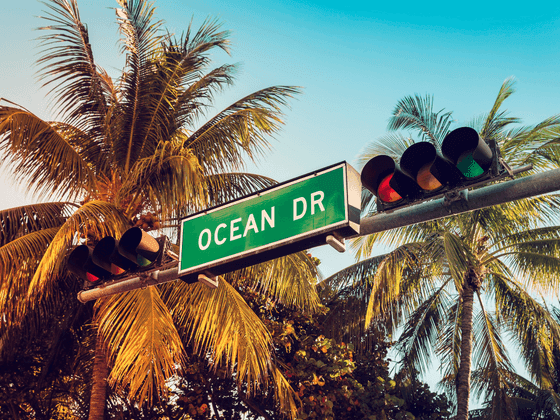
[354, 61]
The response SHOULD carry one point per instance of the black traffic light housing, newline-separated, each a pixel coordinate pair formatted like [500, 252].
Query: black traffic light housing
[424, 172]
[112, 259]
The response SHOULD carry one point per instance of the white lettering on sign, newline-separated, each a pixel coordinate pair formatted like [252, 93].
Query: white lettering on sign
[216, 239]
[203, 247]
[251, 225]
[267, 218]
[205, 237]
[316, 200]
[233, 229]
[303, 210]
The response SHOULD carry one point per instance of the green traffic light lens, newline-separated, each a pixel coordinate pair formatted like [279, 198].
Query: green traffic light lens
[469, 167]
[142, 262]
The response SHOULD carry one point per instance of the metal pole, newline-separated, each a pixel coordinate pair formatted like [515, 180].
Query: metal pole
[530, 186]
[112, 288]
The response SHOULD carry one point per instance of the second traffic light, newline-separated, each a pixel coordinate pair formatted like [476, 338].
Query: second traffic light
[110, 257]
[424, 172]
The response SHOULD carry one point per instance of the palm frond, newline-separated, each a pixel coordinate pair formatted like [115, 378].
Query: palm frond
[140, 41]
[239, 130]
[42, 156]
[178, 70]
[536, 330]
[220, 324]
[416, 112]
[80, 90]
[289, 280]
[145, 349]
[19, 221]
[171, 178]
[418, 340]
[495, 121]
[490, 354]
[96, 218]
[346, 294]
[225, 187]
[537, 145]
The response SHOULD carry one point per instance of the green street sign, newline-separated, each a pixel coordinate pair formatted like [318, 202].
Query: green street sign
[289, 217]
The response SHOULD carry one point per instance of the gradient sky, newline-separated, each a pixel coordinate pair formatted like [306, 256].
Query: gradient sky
[354, 61]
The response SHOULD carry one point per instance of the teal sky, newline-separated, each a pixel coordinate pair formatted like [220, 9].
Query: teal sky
[354, 61]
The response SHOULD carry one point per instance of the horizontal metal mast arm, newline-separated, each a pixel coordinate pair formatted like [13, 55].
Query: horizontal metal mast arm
[530, 186]
[112, 288]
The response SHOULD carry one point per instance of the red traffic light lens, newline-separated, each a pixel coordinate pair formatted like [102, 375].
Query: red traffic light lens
[90, 277]
[386, 193]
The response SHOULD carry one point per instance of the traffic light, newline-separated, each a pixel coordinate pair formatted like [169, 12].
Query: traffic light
[424, 172]
[111, 258]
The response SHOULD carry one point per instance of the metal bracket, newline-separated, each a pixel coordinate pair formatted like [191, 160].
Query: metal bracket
[208, 279]
[336, 241]
[453, 196]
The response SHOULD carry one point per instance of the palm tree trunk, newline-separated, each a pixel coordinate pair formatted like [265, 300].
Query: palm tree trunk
[99, 387]
[463, 382]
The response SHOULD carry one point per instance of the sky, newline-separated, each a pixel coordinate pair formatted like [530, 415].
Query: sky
[353, 60]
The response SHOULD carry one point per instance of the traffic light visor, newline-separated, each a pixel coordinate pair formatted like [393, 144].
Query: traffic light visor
[376, 176]
[106, 255]
[417, 162]
[139, 247]
[467, 151]
[81, 264]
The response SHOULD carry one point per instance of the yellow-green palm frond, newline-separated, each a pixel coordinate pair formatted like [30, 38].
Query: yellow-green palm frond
[221, 325]
[178, 76]
[537, 145]
[491, 356]
[239, 131]
[230, 186]
[290, 280]
[533, 256]
[79, 86]
[531, 323]
[416, 112]
[459, 258]
[145, 349]
[95, 218]
[141, 40]
[171, 178]
[387, 285]
[40, 155]
[496, 121]
[421, 330]
[346, 294]
[195, 100]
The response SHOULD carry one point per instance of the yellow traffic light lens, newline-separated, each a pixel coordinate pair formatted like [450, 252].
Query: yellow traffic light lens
[426, 180]
[115, 269]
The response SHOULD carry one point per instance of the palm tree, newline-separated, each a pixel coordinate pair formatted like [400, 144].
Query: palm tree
[121, 149]
[466, 281]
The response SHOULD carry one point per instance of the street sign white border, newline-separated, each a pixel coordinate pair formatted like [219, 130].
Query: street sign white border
[246, 253]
